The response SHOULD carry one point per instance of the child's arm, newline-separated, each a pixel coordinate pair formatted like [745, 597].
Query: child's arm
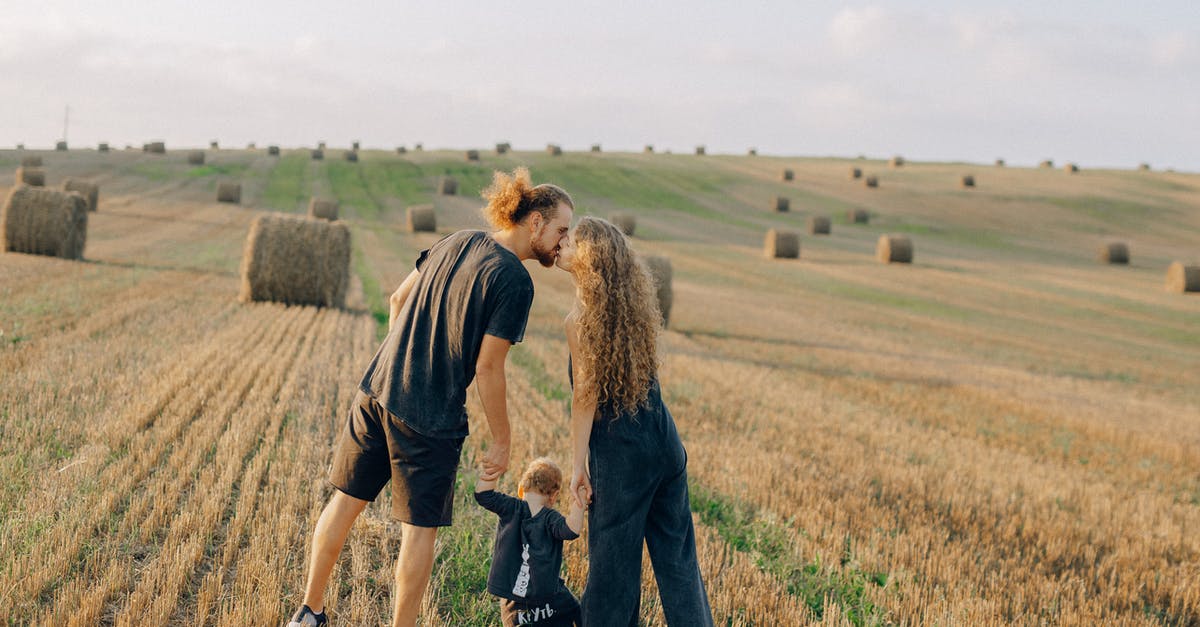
[484, 485]
[575, 517]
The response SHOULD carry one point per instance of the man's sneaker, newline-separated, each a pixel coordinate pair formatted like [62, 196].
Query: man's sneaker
[305, 617]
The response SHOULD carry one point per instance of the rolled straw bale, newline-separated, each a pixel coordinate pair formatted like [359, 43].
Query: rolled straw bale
[354, 145]
[61, 146]
[44, 222]
[448, 186]
[214, 145]
[318, 154]
[1048, 163]
[401, 150]
[251, 146]
[787, 174]
[323, 208]
[321, 146]
[103, 147]
[229, 192]
[999, 163]
[297, 261]
[1183, 277]
[871, 181]
[20, 146]
[1114, 252]
[421, 218]
[649, 149]
[782, 204]
[781, 244]
[859, 216]
[472, 155]
[31, 161]
[896, 161]
[89, 190]
[35, 177]
[819, 225]
[660, 273]
[753, 152]
[855, 173]
[273, 150]
[627, 222]
[502, 148]
[146, 147]
[595, 147]
[894, 249]
[418, 147]
[700, 150]
[1070, 168]
[967, 180]
[1144, 167]
[196, 157]
[352, 156]
[554, 150]
[156, 148]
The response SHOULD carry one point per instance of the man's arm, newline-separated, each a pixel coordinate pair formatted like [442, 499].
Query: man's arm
[489, 381]
[400, 296]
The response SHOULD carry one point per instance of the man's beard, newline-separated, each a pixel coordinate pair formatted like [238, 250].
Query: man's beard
[544, 256]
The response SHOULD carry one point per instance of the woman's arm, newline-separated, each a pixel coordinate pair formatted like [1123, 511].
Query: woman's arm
[583, 413]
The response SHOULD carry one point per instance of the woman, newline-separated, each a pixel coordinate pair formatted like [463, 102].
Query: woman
[628, 459]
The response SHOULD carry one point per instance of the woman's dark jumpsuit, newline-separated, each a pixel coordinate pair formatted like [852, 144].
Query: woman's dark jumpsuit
[639, 492]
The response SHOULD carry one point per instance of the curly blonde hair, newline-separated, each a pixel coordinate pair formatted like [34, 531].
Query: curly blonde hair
[512, 197]
[543, 476]
[618, 318]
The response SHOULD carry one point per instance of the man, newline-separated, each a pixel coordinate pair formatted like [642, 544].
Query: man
[452, 320]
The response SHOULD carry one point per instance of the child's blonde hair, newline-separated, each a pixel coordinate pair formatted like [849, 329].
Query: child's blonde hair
[542, 476]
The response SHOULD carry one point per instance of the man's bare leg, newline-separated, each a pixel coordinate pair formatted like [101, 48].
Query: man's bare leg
[413, 569]
[328, 538]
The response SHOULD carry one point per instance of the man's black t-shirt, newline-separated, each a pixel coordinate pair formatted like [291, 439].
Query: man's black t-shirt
[527, 555]
[470, 286]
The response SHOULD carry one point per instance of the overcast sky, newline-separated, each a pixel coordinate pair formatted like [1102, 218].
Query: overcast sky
[1098, 82]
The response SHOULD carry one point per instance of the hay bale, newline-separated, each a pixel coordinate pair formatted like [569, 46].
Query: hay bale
[859, 216]
[44, 222]
[1144, 167]
[787, 175]
[89, 190]
[321, 146]
[103, 147]
[31, 161]
[627, 222]
[20, 146]
[354, 146]
[196, 157]
[781, 245]
[351, 156]
[61, 146]
[753, 152]
[649, 149]
[296, 261]
[418, 147]
[595, 147]
[213, 145]
[318, 154]
[855, 173]
[700, 150]
[554, 150]
[819, 225]
[421, 218]
[896, 162]
[1071, 168]
[323, 208]
[35, 177]
[999, 163]
[894, 249]
[503, 148]
[228, 191]
[871, 181]
[967, 180]
[156, 148]
[660, 273]
[1183, 277]
[273, 151]
[1114, 252]
[448, 186]
[472, 155]
[251, 146]
[782, 204]
[401, 150]
[1048, 164]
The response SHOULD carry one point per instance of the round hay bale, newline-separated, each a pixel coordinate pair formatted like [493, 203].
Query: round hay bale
[1071, 168]
[351, 156]
[251, 146]
[229, 192]
[472, 155]
[660, 272]
[1114, 252]
[871, 181]
[503, 148]
[318, 154]
[1144, 167]
[321, 146]
[214, 145]
[401, 150]
[156, 148]
[196, 157]
[894, 249]
[61, 146]
[31, 161]
[354, 146]
[781, 244]
[896, 162]
[967, 180]
[44, 222]
[103, 147]
[448, 186]
[700, 150]
[323, 208]
[649, 149]
[782, 204]
[999, 163]
[554, 150]
[753, 152]
[418, 147]
[1048, 163]
[819, 225]
[296, 261]
[627, 222]
[89, 190]
[146, 147]
[787, 175]
[273, 151]
[855, 173]
[595, 147]
[20, 146]
[35, 177]
[1183, 277]
[421, 218]
[859, 216]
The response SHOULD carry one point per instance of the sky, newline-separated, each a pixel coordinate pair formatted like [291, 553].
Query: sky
[1103, 83]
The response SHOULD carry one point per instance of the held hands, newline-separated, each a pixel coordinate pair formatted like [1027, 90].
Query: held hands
[495, 462]
[581, 487]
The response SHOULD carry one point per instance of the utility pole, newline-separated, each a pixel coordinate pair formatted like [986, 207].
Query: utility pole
[66, 120]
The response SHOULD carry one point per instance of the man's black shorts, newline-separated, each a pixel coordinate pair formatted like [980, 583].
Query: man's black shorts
[376, 446]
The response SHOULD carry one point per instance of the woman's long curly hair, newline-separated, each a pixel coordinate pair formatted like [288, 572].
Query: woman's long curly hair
[618, 319]
[512, 197]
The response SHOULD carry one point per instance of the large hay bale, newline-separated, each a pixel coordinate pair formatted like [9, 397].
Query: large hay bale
[31, 161]
[781, 244]
[554, 150]
[35, 177]
[251, 146]
[787, 175]
[871, 181]
[228, 191]
[503, 148]
[448, 186]
[896, 161]
[595, 147]
[354, 146]
[753, 152]
[999, 163]
[321, 146]
[323, 208]
[967, 180]
[627, 222]
[297, 261]
[156, 148]
[61, 146]
[1071, 168]
[782, 204]
[819, 225]
[318, 154]
[700, 150]
[660, 273]
[20, 146]
[894, 249]
[472, 155]
[89, 190]
[855, 173]
[1114, 252]
[103, 147]
[196, 157]
[352, 156]
[421, 218]
[859, 216]
[44, 222]
[214, 145]
[649, 149]
[401, 150]
[1048, 163]
[1144, 167]
[1183, 277]
[273, 150]
[419, 147]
